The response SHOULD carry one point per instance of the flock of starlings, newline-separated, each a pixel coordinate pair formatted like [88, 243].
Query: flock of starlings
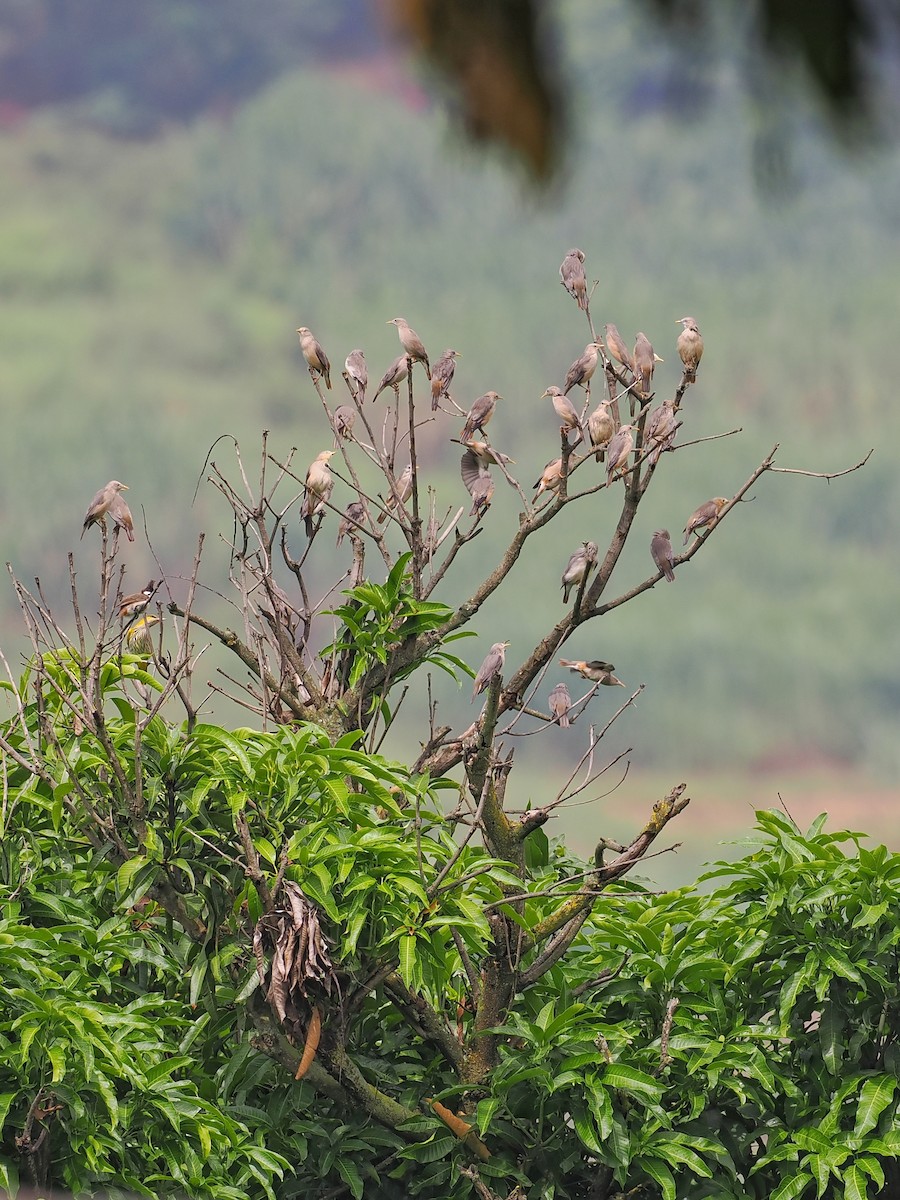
[614, 445]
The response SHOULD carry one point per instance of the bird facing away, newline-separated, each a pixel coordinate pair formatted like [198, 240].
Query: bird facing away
[661, 428]
[404, 488]
[551, 477]
[564, 409]
[617, 348]
[140, 637]
[357, 374]
[344, 417]
[644, 364]
[137, 601]
[601, 428]
[662, 554]
[690, 347]
[442, 377]
[596, 671]
[479, 414]
[579, 566]
[571, 274]
[492, 665]
[319, 486]
[122, 518]
[704, 517]
[353, 517]
[617, 452]
[411, 343]
[394, 376]
[582, 369]
[482, 494]
[100, 505]
[560, 703]
[316, 358]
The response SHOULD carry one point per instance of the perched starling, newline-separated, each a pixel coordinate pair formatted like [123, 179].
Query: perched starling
[601, 428]
[596, 671]
[357, 374]
[582, 369]
[353, 517]
[571, 273]
[690, 346]
[560, 703]
[140, 637]
[617, 348]
[404, 488]
[319, 486]
[564, 409]
[551, 477]
[662, 554]
[122, 518]
[394, 376]
[137, 601]
[479, 414]
[316, 358]
[442, 377]
[704, 517]
[492, 665]
[660, 430]
[644, 364]
[486, 454]
[411, 343]
[617, 452]
[579, 566]
[482, 493]
[344, 418]
[100, 505]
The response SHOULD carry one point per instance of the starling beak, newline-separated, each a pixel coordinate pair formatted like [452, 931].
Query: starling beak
[353, 517]
[662, 554]
[404, 488]
[689, 346]
[137, 601]
[644, 363]
[411, 343]
[319, 486]
[492, 665]
[618, 451]
[357, 374]
[560, 703]
[571, 274]
[601, 428]
[139, 637]
[582, 369]
[579, 566]
[596, 671]
[122, 518]
[564, 409]
[704, 517]
[479, 415]
[316, 358]
[617, 348]
[442, 377]
[394, 375]
[344, 418]
[100, 505]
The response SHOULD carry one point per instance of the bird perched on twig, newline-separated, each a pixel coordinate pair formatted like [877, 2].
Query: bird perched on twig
[139, 637]
[479, 415]
[582, 369]
[579, 566]
[344, 418]
[486, 454]
[601, 428]
[404, 489]
[564, 409]
[660, 430]
[617, 452]
[353, 517]
[551, 477]
[617, 348]
[100, 505]
[442, 377]
[129, 606]
[394, 376]
[571, 274]
[121, 516]
[662, 554]
[595, 670]
[357, 374]
[492, 665]
[316, 358]
[560, 703]
[704, 517]
[690, 347]
[319, 486]
[644, 364]
[411, 343]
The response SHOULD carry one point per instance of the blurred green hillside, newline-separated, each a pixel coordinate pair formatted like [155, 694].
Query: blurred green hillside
[149, 293]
